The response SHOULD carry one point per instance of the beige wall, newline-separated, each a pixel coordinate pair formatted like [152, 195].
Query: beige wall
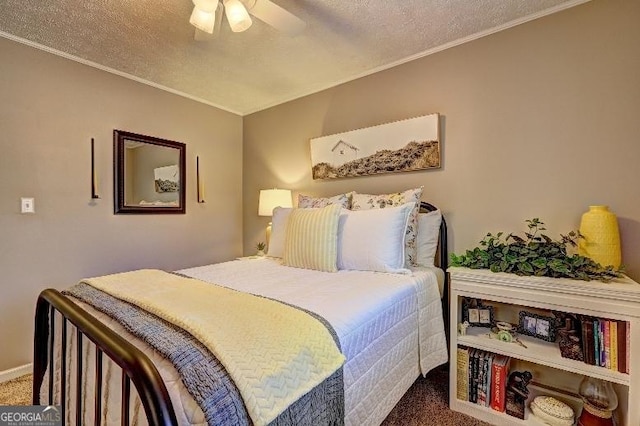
[50, 109]
[540, 120]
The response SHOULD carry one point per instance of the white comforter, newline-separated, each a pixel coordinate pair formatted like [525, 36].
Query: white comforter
[390, 328]
[390, 325]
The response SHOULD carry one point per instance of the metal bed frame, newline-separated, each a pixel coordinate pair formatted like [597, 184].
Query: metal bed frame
[136, 366]
[443, 263]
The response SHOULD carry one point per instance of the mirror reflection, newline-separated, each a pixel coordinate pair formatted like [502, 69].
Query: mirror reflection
[152, 175]
[149, 174]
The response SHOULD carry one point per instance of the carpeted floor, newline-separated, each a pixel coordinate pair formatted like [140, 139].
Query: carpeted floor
[424, 404]
[427, 403]
[16, 391]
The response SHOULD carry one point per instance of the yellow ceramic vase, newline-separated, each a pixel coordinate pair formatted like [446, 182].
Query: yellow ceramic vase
[601, 242]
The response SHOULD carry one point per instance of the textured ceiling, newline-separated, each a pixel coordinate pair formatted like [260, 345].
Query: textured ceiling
[153, 41]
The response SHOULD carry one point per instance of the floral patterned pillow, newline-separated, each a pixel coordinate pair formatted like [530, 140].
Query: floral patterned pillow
[368, 201]
[306, 201]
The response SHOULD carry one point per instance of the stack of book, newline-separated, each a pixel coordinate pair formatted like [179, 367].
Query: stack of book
[605, 343]
[482, 377]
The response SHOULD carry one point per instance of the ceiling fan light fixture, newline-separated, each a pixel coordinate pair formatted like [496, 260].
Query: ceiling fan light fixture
[237, 15]
[202, 20]
[209, 6]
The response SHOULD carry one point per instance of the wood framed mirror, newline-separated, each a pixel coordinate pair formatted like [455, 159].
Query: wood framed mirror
[149, 174]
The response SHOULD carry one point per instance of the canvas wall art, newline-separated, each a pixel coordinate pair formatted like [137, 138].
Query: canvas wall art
[167, 178]
[400, 146]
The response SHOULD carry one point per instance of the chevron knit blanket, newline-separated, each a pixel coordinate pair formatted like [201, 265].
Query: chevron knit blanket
[275, 354]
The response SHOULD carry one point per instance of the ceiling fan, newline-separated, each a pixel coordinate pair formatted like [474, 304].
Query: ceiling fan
[207, 16]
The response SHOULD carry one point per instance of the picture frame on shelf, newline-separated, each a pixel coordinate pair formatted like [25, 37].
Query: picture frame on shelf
[476, 314]
[538, 326]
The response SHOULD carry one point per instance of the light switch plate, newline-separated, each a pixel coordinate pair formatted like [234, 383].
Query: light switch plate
[27, 205]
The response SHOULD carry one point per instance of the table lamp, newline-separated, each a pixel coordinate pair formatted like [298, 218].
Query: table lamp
[269, 200]
[600, 400]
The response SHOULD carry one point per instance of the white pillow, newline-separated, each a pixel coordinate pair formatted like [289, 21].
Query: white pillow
[373, 240]
[278, 231]
[427, 238]
[368, 201]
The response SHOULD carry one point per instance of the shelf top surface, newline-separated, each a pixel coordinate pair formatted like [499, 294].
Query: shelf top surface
[539, 352]
[621, 289]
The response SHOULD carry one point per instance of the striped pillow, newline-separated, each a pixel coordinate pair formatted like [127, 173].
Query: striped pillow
[311, 241]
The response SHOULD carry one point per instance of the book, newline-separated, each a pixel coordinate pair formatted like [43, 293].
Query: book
[476, 374]
[628, 343]
[484, 379]
[596, 341]
[588, 340]
[487, 378]
[462, 365]
[606, 339]
[623, 347]
[583, 339]
[473, 370]
[482, 395]
[613, 343]
[499, 374]
[601, 341]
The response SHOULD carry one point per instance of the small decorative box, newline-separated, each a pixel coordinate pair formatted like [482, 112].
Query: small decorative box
[570, 346]
[569, 336]
[552, 411]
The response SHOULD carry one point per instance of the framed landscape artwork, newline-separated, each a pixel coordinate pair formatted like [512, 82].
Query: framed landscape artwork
[400, 146]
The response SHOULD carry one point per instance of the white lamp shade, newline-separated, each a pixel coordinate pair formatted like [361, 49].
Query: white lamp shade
[237, 15]
[209, 6]
[204, 21]
[272, 198]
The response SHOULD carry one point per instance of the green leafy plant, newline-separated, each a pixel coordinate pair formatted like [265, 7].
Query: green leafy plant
[536, 254]
[261, 246]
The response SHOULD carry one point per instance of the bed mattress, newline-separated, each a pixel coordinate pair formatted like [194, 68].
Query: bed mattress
[390, 327]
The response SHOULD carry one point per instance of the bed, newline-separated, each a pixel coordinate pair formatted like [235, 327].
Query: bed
[389, 327]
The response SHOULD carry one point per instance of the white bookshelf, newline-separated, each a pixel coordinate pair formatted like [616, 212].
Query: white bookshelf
[619, 300]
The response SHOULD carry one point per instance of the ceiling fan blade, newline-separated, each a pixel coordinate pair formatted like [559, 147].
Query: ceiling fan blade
[277, 17]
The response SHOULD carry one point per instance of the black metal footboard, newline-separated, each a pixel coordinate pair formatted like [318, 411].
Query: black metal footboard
[136, 366]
